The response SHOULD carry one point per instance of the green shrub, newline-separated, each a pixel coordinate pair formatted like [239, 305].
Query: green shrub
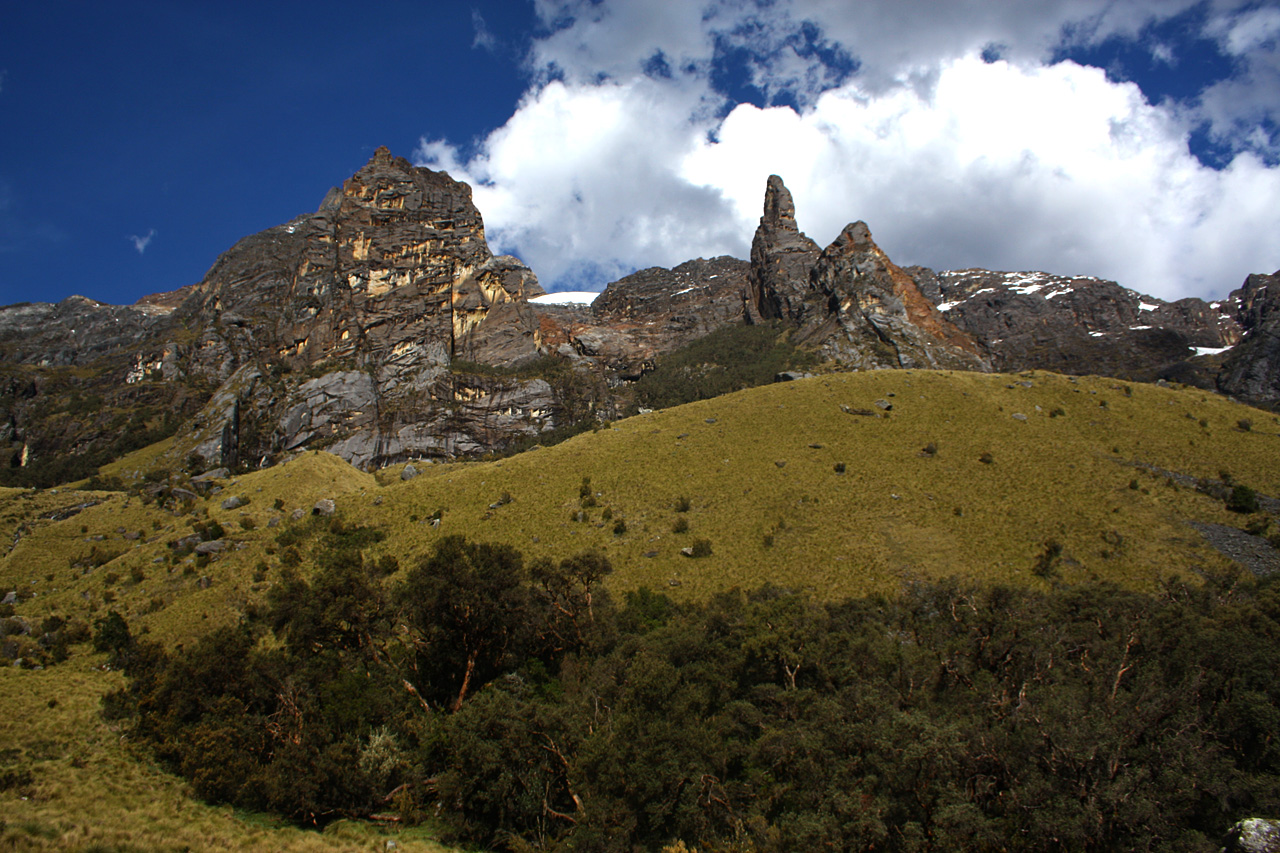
[1242, 499]
[701, 548]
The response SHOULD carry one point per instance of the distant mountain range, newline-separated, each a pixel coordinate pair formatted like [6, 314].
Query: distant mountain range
[382, 328]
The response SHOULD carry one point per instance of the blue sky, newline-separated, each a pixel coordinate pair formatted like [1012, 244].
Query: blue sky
[1136, 141]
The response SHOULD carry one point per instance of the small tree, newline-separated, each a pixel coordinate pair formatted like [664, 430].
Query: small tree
[468, 612]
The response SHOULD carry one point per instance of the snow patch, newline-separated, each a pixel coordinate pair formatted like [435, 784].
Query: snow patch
[1147, 306]
[566, 297]
[1209, 350]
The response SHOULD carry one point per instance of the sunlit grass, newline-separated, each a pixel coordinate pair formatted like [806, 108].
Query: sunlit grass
[913, 499]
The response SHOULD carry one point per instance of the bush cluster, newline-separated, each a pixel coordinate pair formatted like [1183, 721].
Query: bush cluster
[524, 708]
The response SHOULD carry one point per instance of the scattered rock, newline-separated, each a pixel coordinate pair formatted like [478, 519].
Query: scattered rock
[1253, 552]
[204, 582]
[377, 501]
[1018, 416]
[11, 598]
[884, 405]
[233, 502]
[1253, 835]
[298, 514]
[213, 547]
[408, 473]
[215, 474]
[781, 463]
[791, 376]
[325, 507]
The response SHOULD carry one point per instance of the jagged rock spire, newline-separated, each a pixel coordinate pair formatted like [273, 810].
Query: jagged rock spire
[781, 258]
[849, 299]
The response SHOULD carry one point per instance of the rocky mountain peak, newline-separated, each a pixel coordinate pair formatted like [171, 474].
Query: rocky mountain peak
[381, 327]
[848, 300]
[877, 316]
[781, 258]
[392, 183]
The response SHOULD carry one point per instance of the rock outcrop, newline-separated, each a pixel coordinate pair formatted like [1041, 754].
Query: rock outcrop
[1253, 835]
[1252, 370]
[849, 300]
[1080, 324]
[646, 314]
[782, 259]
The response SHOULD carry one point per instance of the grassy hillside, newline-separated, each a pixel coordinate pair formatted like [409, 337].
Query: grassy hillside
[842, 484]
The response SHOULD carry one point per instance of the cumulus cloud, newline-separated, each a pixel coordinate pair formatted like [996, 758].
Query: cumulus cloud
[141, 243]
[627, 151]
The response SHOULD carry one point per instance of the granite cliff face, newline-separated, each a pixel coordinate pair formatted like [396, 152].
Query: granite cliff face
[381, 327]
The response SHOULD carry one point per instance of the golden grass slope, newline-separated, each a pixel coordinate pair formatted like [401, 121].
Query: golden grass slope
[758, 467]
[758, 470]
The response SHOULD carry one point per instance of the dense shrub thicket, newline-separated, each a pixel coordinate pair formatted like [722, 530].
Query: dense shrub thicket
[526, 710]
[726, 360]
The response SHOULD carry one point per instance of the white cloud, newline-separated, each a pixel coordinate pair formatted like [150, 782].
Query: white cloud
[1236, 107]
[580, 183]
[952, 161]
[1054, 168]
[141, 243]
[484, 39]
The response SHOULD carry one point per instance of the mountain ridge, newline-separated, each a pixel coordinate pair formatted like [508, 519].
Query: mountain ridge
[381, 327]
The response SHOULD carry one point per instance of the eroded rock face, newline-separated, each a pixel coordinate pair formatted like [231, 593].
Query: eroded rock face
[1080, 324]
[782, 258]
[390, 284]
[848, 300]
[1251, 370]
[396, 257]
[646, 314]
[876, 314]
